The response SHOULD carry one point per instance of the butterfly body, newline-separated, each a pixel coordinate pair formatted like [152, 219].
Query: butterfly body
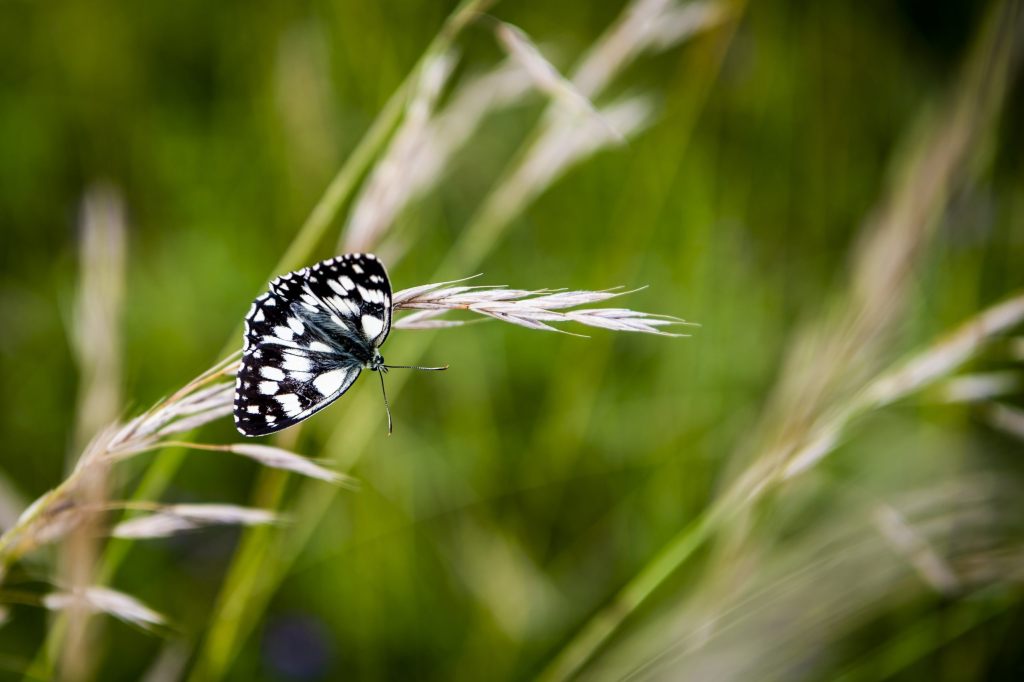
[308, 338]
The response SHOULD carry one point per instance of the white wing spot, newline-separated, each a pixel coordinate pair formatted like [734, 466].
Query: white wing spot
[320, 346]
[277, 342]
[347, 282]
[284, 333]
[356, 269]
[269, 387]
[296, 325]
[270, 301]
[329, 382]
[289, 404]
[338, 289]
[372, 326]
[259, 317]
[296, 363]
[344, 306]
[253, 409]
[371, 295]
[272, 373]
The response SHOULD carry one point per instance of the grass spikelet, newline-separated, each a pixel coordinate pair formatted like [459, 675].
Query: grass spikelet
[105, 600]
[530, 309]
[548, 79]
[277, 458]
[916, 549]
[1006, 418]
[167, 520]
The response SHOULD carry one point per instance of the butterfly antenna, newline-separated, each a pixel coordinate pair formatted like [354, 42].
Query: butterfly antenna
[426, 369]
[386, 406]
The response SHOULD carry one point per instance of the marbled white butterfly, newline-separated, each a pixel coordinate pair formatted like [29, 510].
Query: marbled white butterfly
[307, 339]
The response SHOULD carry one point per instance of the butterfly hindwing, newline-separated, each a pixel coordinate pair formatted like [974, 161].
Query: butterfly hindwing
[282, 387]
[307, 339]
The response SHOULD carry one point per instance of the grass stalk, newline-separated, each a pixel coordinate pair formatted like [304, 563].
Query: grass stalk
[246, 586]
[933, 172]
[247, 589]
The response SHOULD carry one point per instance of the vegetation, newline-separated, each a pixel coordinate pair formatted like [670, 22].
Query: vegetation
[822, 480]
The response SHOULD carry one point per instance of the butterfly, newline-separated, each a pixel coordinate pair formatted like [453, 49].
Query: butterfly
[308, 338]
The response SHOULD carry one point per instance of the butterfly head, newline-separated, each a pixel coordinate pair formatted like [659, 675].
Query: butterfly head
[376, 363]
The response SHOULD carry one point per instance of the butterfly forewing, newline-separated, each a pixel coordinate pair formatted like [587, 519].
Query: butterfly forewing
[356, 288]
[307, 339]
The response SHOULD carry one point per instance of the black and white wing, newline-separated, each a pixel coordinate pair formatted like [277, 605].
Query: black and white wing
[355, 287]
[287, 373]
[307, 339]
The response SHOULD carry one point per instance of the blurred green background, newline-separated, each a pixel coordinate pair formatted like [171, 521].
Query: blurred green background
[543, 473]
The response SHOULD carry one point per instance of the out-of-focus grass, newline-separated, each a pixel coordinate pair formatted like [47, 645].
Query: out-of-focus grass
[527, 486]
